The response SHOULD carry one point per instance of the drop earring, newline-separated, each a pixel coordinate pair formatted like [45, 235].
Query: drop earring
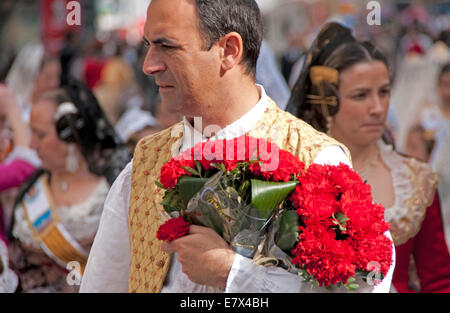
[71, 159]
[329, 125]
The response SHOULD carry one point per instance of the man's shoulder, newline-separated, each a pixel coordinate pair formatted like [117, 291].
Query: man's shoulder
[162, 136]
[293, 134]
[304, 130]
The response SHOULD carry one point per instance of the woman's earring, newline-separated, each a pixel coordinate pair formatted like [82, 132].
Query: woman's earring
[71, 159]
[329, 125]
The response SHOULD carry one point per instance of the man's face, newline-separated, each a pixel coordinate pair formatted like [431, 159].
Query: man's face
[186, 73]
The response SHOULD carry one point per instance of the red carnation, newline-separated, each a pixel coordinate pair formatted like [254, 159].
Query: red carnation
[274, 164]
[173, 229]
[328, 260]
[342, 229]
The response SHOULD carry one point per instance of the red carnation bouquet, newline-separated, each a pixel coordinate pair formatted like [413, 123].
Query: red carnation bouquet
[234, 186]
[320, 222]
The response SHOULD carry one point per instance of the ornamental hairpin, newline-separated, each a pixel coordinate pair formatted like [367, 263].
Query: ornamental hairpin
[317, 74]
[64, 109]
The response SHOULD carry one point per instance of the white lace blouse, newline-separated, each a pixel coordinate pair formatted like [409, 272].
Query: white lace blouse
[80, 220]
[414, 183]
[8, 279]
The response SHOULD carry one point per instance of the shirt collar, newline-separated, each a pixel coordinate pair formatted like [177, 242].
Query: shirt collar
[238, 128]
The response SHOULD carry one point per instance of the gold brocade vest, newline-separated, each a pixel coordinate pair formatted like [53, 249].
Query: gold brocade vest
[149, 265]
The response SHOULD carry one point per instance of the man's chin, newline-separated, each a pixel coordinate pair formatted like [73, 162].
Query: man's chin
[171, 106]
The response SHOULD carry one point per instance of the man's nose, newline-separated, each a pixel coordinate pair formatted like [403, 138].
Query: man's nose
[153, 63]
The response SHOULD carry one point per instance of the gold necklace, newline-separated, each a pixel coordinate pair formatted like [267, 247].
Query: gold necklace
[367, 169]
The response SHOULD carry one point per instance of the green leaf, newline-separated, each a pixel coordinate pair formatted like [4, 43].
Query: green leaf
[288, 232]
[189, 186]
[191, 171]
[352, 286]
[243, 188]
[159, 185]
[199, 167]
[171, 201]
[266, 196]
[215, 165]
[341, 218]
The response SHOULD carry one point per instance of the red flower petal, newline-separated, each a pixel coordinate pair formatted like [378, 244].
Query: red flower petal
[173, 229]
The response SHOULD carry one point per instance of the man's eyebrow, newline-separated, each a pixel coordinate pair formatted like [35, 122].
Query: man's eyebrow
[161, 40]
[164, 40]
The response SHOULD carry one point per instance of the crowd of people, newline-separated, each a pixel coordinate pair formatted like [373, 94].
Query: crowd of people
[71, 152]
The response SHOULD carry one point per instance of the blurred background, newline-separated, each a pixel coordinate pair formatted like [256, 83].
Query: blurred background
[99, 42]
[106, 50]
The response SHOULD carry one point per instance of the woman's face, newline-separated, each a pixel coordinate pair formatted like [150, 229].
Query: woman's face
[51, 150]
[444, 88]
[364, 92]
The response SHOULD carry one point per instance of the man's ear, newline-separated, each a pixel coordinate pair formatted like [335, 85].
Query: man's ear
[232, 50]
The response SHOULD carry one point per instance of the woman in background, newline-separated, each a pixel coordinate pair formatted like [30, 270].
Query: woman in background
[344, 90]
[58, 209]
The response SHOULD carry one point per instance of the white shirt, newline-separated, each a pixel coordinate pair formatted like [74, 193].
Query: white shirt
[108, 265]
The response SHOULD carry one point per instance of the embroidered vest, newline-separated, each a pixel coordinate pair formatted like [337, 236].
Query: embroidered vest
[424, 181]
[149, 265]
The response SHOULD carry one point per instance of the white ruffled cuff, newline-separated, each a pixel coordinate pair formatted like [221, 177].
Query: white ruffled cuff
[26, 154]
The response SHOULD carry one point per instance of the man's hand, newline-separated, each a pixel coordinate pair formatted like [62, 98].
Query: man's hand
[205, 257]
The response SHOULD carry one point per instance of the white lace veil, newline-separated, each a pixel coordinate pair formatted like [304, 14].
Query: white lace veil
[22, 75]
[415, 84]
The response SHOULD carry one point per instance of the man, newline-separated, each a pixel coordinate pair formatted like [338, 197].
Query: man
[203, 56]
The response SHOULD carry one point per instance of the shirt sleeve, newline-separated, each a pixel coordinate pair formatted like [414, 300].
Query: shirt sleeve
[14, 174]
[244, 276]
[332, 155]
[17, 167]
[107, 269]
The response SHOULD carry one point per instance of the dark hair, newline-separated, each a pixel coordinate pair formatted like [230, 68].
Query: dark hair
[220, 17]
[444, 36]
[46, 60]
[335, 47]
[89, 129]
[445, 69]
